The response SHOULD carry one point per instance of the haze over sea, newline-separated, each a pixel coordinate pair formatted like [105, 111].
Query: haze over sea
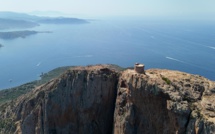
[187, 46]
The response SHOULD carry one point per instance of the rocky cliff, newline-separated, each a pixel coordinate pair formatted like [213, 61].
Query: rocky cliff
[100, 100]
[164, 101]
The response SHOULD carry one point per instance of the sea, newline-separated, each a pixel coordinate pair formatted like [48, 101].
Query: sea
[187, 46]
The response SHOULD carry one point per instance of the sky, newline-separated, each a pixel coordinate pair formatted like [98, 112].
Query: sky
[194, 8]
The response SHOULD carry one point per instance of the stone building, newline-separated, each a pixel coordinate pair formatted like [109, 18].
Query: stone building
[139, 68]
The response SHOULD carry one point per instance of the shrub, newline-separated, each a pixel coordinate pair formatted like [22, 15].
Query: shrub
[166, 80]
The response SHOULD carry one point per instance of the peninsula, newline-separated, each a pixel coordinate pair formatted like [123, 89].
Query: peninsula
[11, 20]
[11, 23]
[17, 34]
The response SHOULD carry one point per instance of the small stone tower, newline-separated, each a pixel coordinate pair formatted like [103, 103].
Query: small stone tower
[139, 68]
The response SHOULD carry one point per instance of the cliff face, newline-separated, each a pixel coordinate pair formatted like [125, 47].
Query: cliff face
[163, 101]
[80, 101]
[98, 100]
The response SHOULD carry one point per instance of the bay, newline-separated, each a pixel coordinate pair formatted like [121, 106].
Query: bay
[186, 46]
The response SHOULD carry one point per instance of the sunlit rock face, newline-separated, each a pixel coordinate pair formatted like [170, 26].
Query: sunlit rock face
[164, 102]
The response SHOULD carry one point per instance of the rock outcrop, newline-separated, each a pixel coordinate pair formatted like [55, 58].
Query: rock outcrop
[163, 101]
[100, 100]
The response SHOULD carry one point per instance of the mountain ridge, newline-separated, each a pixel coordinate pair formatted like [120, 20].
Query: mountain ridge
[10, 20]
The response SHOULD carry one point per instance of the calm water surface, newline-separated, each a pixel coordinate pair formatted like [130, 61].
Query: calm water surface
[184, 46]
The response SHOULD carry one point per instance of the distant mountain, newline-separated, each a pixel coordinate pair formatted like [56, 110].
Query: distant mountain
[62, 20]
[49, 13]
[10, 24]
[18, 16]
[39, 19]
[12, 20]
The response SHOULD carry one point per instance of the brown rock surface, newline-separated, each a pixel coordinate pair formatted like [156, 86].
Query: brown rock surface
[164, 102]
[99, 100]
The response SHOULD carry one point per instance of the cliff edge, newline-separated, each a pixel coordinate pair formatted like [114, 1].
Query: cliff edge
[101, 100]
[164, 101]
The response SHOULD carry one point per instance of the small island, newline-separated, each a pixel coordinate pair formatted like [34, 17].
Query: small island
[1, 45]
[17, 34]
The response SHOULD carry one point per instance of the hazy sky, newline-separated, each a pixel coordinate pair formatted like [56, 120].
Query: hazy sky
[115, 7]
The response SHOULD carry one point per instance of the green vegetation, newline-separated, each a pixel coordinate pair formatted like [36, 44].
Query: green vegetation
[7, 125]
[52, 74]
[166, 80]
[8, 95]
[151, 72]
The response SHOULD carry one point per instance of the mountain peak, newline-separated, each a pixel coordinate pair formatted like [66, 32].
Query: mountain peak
[100, 99]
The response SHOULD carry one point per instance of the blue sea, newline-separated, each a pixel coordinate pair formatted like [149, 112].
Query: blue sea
[187, 46]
